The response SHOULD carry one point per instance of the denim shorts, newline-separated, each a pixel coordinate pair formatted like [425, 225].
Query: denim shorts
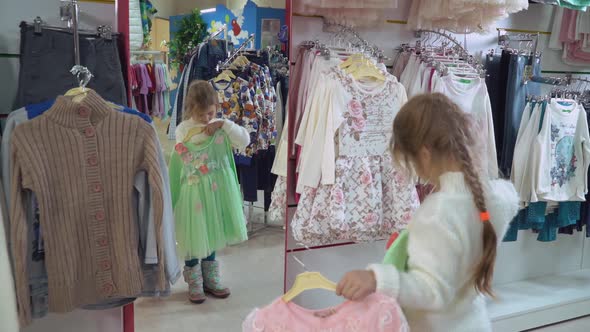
[47, 58]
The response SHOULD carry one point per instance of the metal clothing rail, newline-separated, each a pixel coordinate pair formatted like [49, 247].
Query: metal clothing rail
[241, 48]
[448, 36]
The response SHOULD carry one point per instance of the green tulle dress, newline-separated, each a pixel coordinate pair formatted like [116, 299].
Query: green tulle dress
[206, 197]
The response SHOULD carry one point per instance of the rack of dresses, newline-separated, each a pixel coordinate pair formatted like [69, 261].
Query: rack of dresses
[342, 104]
[76, 220]
[150, 83]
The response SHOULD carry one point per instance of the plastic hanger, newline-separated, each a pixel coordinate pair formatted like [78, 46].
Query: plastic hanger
[83, 75]
[225, 76]
[308, 281]
[365, 69]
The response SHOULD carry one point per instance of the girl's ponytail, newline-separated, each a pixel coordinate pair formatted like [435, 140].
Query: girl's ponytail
[484, 270]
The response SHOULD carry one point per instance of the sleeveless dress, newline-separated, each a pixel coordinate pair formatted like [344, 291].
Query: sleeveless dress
[206, 197]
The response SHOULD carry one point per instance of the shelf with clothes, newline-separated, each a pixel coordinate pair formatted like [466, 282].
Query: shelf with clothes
[151, 83]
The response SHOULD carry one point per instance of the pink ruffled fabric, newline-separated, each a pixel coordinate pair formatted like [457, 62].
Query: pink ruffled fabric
[355, 13]
[377, 313]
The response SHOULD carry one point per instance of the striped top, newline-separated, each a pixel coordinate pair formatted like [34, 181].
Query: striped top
[80, 160]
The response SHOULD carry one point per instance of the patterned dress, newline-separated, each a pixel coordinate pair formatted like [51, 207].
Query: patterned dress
[370, 199]
[206, 197]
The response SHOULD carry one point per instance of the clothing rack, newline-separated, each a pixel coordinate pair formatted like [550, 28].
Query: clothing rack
[505, 37]
[241, 48]
[217, 33]
[460, 49]
[210, 37]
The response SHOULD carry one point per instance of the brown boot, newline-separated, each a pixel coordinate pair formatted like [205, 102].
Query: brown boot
[194, 278]
[211, 280]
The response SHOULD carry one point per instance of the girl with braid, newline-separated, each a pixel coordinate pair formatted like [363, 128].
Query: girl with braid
[453, 236]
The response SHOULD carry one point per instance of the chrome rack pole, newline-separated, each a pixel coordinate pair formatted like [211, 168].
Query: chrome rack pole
[75, 9]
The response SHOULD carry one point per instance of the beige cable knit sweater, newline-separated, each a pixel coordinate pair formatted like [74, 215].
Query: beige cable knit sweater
[80, 160]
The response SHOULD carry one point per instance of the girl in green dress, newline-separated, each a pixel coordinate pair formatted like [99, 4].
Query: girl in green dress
[205, 190]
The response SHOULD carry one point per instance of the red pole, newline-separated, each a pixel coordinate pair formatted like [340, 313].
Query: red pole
[122, 12]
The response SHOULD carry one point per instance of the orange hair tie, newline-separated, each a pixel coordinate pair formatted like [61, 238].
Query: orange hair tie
[484, 216]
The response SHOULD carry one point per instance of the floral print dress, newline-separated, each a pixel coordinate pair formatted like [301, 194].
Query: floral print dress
[206, 197]
[370, 199]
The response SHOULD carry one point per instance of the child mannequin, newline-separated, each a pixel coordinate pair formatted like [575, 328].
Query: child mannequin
[452, 237]
[205, 190]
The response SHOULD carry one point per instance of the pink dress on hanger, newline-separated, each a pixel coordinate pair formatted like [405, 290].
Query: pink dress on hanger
[377, 313]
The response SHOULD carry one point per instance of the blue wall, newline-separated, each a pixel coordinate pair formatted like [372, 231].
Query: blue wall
[250, 22]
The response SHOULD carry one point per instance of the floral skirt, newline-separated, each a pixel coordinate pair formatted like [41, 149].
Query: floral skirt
[369, 201]
[278, 205]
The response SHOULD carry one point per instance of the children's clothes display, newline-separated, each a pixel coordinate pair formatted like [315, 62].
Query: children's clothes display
[144, 218]
[551, 170]
[377, 312]
[457, 80]
[447, 226]
[206, 197]
[350, 189]
[99, 277]
[150, 86]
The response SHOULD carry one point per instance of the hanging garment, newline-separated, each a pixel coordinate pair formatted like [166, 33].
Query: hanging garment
[47, 59]
[564, 153]
[206, 197]
[361, 196]
[472, 97]
[96, 268]
[377, 312]
[144, 219]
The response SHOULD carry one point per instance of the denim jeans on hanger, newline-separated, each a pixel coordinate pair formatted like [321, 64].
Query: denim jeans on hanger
[47, 58]
[516, 92]
[495, 85]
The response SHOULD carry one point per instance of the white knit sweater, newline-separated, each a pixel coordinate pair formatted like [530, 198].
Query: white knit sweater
[445, 243]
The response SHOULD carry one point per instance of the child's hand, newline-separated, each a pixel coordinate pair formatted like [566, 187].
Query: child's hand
[213, 127]
[357, 285]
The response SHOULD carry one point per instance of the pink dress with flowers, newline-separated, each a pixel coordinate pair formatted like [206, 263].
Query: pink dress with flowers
[369, 198]
[206, 197]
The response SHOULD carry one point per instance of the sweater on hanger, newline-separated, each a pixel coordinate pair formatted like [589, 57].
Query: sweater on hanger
[80, 161]
[436, 292]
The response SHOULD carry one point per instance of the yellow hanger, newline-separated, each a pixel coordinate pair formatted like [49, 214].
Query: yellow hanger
[355, 58]
[193, 132]
[307, 281]
[225, 76]
[77, 94]
[366, 70]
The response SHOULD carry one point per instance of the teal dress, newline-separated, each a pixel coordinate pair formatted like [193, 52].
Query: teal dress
[206, 197]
